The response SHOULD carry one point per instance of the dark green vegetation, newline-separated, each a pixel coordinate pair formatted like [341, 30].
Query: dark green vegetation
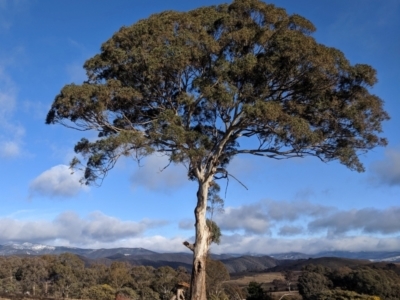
[67, 276]
[322, 283]
[203, 86]
[70, 276]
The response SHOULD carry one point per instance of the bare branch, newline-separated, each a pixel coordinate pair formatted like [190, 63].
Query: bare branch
[189, 245]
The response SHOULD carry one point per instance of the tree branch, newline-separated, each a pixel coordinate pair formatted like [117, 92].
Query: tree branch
[189, 245]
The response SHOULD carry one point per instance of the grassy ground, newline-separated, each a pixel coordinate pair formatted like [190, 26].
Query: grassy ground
[266, 279]
[258, 277]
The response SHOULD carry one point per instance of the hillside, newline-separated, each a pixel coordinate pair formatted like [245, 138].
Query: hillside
[330, 262]
[249, 263]
[233, 262]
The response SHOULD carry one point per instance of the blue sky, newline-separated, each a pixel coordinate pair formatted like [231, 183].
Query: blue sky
[294, 205]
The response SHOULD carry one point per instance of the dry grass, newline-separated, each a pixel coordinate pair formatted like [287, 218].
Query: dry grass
[292, 295]
[260, 278]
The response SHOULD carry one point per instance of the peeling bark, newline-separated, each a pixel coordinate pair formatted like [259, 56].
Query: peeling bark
[200, 248]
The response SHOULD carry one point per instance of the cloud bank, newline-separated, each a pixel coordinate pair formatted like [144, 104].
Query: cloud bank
[71, 229]
[285, 218]
[266, 245]
[251, 228]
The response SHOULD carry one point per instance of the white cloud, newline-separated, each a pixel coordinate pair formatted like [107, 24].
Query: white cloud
[288, 230]
[68, 227]
[387, 171]
[284, 218]
[153, 175]
[155, 243]
[250, 218]
[294, 210]
[11, 133]
[9, 149]
[57, 182]
[98, 230]
[263, 216]
[267, 245]
[367, 220]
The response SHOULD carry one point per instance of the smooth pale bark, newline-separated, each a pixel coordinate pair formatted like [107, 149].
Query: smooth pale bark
[200, 248]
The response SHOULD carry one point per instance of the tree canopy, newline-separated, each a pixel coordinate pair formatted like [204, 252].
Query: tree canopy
[194, 85]
[205, 85]
[362, 282]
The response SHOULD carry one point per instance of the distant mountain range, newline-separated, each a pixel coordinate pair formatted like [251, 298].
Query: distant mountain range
[389, 256]
[235, 263]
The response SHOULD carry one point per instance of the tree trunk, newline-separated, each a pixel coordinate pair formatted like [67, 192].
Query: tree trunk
[201, 246]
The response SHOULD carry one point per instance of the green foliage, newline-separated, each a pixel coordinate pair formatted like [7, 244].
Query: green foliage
[66, 272]
[190, 84]
[215, 205]
[361, 283]
[215, 231]
[383, 283]
[343, 295]
[311, 284]
[128, 293]
[217, 274]
[119, 274]
[99, 292]
[10, 272]
[256, 292]
[164, 282]
[33, 272]
[234, 292]
[289, 278]
[215, 202]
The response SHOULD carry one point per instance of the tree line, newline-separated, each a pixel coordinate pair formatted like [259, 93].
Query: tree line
[363, 282]
[67, 276]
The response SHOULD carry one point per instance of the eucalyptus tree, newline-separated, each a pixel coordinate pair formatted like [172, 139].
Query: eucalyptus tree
[34, 274]
[66, 272]
[206, 85]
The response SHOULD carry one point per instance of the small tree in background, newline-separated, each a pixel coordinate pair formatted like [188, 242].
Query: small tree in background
[206, 85]
[289, 277]
[256, 292]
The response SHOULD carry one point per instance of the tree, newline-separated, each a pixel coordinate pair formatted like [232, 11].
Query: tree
[289, 278]
[217, 274]
[9, 278]
[311, 284]
[234, 292]
[164, 282]
[343, 295]
[119, 274]
[256, 292]
[66, 273]
[99, 292]
[142, 278]
[34, 273]
[206, 85]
